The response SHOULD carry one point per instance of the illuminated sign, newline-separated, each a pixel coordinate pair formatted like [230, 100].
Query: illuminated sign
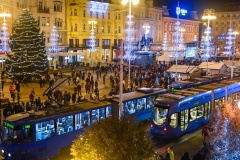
[182, 11]
[9, 125]
[98, 7]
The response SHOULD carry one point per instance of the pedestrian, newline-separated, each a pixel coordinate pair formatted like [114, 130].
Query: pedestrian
[185, 156]
[79, 88]
[96, 91]
[74, 96]
[104, 78]
[167, 157]
[25, 81]
[31, 96]
[170, 151]
[2, 83]
[69, 80]
[204, 150]
[197, 156]
[205, 132]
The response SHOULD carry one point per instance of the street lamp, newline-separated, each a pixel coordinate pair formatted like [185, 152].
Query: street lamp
[92, 41]
[4, 41]
[208, 14]
[129, 38]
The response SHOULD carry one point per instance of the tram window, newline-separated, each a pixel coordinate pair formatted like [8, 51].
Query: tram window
[219, 102]
[64, 125]
[193, 114]
[108, 111]
[82, 120]
[95, 115]
[102, 115]
[150, 101]
[184, 119]
[174, 120]
[130, 107]
[12, 134]
[200, 110]
[160, 115]
[207, 110]
[28, 133]
[45, 130]
[141, 104]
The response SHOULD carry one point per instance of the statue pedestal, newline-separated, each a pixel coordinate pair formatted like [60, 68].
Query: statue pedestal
[144, 58]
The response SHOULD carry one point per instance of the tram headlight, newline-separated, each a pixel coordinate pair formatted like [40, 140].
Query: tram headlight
[9, 154]
[2, 151]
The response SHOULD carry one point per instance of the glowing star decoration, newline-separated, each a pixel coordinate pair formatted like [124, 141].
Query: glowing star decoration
[98, 7]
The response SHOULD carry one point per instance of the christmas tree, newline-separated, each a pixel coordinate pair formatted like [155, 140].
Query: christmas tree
[224, 138]
[29, 57]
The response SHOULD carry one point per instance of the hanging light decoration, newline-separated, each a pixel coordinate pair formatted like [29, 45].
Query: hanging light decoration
[230, 43]
[165, 42]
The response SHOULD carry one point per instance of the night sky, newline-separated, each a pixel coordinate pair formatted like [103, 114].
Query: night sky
[195, 5]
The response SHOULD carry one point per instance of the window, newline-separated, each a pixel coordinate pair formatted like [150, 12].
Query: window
[119, 16]
[160, 115]
[39, 19]
[119, 29]
[18, 5]
[207, 110]
[84, 13]
[219, 102]
[43, 21]
[150, 102]
[70, 42]
[184, 119]
[130, 107]
[64, 125]
[141, 104]
[159, 17]
[96, 28]
[109, 29]
[82, 120]
[57, 7]
[28, 133]
[108, 111]
[76, 42]
[193, 114]
[98, 114]
[174, 120]
[75, 12]
[40, 5]
[200, 111]
[45, 130]
[102, 15]
[48, 21]
[90, 13]
[108, 15]
[102, 29]
[87, 42]
[75, 27]
[84, 28]
[58, 22]
[96, 14]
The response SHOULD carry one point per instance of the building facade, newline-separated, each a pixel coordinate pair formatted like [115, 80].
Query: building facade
[228, 17]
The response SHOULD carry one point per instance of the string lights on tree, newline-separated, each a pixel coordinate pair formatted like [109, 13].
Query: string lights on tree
[54, 45]
[29, 57]
[178, 49]
[129, 39]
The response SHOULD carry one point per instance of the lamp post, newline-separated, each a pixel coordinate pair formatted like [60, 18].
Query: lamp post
[92, 37]
[208, 14]
[4, 42]
[129, 38]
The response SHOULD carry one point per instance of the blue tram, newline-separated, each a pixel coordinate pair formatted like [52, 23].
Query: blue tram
[175, 114]
[140, 103]
[38, 135]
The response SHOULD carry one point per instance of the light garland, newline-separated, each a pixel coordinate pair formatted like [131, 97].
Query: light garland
[230, 43]
[207, 44]
[54, 40]
[4, 39]
[27, 44]
[165, 42]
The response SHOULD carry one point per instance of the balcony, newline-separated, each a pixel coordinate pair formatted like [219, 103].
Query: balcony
[43, 10]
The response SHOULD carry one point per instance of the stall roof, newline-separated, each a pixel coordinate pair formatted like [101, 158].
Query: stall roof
[229, 63]
[211, 65]
[182, 69]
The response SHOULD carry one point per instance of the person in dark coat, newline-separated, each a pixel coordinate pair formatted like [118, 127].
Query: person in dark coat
[17, 84]
[197, 156]
[74, 96]
[185, 156]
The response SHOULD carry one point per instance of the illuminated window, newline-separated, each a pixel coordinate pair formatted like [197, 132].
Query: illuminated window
[109, 29]
[102, 29]
[174, 120]
[84, 27]
[40, 5]
[43, 21]
[75, 28]
[119, 16]
[119, 29]
[102, 15]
